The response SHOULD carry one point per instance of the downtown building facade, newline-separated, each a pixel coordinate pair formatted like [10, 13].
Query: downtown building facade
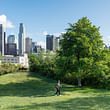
[21, 39]
[23, 60]
[52, 42]
[2, 39]
[28, 45]
[11, 39]
[34, 47]
[11, 49]
[11, 46]
[11, 55]
[57, 41]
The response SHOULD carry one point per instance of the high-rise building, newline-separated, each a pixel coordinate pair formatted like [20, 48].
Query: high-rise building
[21, 39]
[11, 39]
[11, 49]
[11, 46]
[28, 45]
[34, 47]
[57, 40]
[2, 39]
[39, 48]
[50, 42]
[5, 43]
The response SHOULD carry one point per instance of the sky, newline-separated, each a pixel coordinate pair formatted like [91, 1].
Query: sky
[52, 16]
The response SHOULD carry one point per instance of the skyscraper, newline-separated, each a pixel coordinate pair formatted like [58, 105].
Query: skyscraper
[57, 40]
[50, 42]
[39, 48]
[34, 47]
[28, 45]
[21, 39]
[11, 49]
[2, 39]
[5, 43]
[11, 46]
[11, 39]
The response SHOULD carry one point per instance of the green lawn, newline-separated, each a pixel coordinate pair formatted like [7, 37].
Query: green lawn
[25, 91]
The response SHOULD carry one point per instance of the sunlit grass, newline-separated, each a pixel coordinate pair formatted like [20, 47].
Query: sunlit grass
[25, 91]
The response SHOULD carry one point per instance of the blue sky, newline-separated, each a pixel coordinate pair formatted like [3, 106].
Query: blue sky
[53, 16]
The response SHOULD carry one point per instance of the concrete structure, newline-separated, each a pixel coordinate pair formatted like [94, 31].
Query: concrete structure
[2, 39]
[11, 49]
[23, 60]
[28, 45]
[11, 39]
[21, 39]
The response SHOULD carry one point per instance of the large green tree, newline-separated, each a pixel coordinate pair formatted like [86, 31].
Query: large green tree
[81, 47]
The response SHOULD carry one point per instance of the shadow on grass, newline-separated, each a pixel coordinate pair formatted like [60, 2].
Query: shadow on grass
[65, 87]
[37, 87]
[71, 88]
[91, 103]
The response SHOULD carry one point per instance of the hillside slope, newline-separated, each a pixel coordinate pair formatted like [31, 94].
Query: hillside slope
[28, 91]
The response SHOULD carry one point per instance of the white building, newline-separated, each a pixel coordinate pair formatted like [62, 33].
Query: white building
[23, 60]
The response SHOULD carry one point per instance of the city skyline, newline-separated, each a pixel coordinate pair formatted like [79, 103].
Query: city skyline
[52, 17]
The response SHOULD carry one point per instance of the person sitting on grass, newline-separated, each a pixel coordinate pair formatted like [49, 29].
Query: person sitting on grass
[58, 88]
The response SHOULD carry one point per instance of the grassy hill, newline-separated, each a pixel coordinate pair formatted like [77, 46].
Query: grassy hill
[25, 91]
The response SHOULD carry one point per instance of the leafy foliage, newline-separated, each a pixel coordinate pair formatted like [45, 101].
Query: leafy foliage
[42, 63]
[80, 60]
[82, 44]
[8, 68]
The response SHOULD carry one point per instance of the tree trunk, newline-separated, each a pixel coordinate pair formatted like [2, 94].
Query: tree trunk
[79, 82]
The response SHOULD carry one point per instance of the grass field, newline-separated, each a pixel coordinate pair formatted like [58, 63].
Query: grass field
[25, 91]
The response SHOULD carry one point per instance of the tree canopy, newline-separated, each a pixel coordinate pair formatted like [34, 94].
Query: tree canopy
[81, 58]
[82, 44]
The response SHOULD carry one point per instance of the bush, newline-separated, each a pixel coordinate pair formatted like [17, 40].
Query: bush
[43, 63]
[8, 68]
